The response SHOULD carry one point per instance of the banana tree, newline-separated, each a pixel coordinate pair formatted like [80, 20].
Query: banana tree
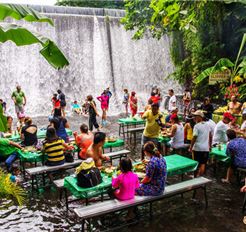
[237, 71]
[22, 36]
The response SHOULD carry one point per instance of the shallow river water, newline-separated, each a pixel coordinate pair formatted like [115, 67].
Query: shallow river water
[42, 212]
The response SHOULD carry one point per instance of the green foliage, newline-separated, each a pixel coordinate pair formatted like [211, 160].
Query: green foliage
[22, 36]
[8, 189]
[202, 33]
[224, 63]
[116, 4]
[22, 12]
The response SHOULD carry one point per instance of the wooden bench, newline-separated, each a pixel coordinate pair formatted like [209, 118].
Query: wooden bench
[111, 206]
[117, 154]
[42, 170]
[134, 131]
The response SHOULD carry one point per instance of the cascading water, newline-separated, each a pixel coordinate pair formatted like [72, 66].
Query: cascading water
[101, 54]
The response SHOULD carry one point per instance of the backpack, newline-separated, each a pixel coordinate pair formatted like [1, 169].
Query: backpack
[89, 178]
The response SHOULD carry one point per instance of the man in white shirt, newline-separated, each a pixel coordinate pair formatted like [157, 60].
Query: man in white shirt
[201, 142]
[172, 100]
[221, 128]
[211, 125]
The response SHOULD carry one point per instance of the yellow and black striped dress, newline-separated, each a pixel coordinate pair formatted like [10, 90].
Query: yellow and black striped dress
[55, 151]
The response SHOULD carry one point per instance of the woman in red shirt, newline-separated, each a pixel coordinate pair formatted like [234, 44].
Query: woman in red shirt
[83, 141]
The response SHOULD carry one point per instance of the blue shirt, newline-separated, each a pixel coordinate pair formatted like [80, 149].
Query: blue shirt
[236, 148]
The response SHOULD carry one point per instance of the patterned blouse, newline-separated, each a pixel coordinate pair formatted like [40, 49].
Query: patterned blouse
[156, 170]
[236, 148]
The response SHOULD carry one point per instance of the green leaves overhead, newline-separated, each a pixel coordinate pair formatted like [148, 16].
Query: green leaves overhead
[21, 36]
[22, 12]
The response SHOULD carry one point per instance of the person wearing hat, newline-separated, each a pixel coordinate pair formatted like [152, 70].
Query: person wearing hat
[174, 110]
[154, 121]
[188, 129]
[221, 128]
[201, 142]
[19, 98]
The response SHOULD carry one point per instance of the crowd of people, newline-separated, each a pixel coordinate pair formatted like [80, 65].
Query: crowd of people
[193, 130]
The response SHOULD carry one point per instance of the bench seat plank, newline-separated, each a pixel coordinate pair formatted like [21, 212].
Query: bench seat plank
[116, 205]
[137, 129]
[118, 153]
[43, 169]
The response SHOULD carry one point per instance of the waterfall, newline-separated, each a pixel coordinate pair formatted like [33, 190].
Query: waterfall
[101, 54]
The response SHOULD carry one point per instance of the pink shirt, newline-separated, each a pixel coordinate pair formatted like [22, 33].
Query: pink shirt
[127, 184]
[104, 101]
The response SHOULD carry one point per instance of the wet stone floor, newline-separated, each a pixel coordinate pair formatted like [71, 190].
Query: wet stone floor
[43, 212]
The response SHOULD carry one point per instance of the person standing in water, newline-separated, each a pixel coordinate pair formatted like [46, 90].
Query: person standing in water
[19, 98]
[133, 104]
[109, 94]
[63, 103]
[126, 100]
[104, 106]
[92, 113]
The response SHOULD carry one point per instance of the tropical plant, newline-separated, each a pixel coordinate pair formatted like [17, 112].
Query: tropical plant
[8, 189]
[22, 36]
[237, 71]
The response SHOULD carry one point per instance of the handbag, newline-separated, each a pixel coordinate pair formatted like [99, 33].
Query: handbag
[89, 178]
[69, 157]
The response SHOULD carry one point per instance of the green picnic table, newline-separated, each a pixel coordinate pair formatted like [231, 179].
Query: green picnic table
[128, 122]
[178, 165]
[40, 134]
[70, 183]
[131, 121]
[220, 154]
[117, 143]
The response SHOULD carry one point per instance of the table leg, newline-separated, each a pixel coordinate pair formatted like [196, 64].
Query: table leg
[66, 198]
[83, 225]
[32, 184]
[150, 210]
[205, 196]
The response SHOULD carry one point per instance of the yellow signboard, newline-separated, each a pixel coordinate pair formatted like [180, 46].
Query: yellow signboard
[219, 77]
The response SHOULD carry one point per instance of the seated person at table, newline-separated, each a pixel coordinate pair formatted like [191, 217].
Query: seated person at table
[154, 122]
[156, 172]
[8, 152]
[20, 123]
[234, 106]
[29, 133]
[174, 110]
[221, 128]
[236, 149]
[127, 182]
[84, 140]
[9, 124]
[60, 124]
[95, 150]
[54, 147]
[177, 133]
[188, 129]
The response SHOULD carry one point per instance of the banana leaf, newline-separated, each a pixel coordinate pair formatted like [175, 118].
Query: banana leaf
[207, 72]
[221, 65]
[21, 36]
[22, 12]
[3, 121]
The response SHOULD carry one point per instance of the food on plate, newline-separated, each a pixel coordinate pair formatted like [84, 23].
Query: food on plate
[140, 167]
